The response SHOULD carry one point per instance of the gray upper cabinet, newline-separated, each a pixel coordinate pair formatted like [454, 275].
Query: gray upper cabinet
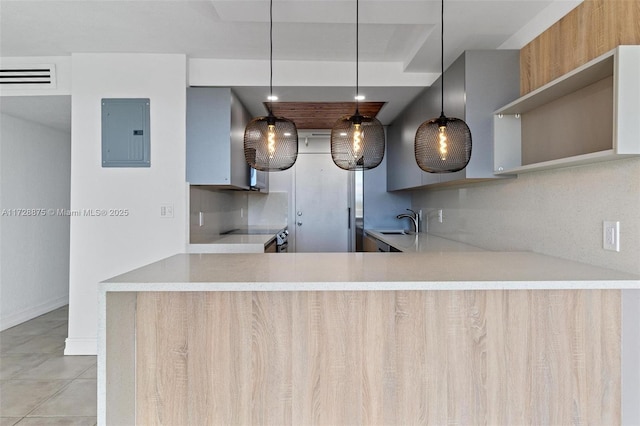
[476, 84]
[215, 138]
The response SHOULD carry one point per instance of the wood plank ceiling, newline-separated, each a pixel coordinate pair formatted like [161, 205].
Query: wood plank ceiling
[321, 115]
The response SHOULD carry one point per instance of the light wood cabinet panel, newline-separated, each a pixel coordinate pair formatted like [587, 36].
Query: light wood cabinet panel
[590, 30]
[379, 357]
[369, 244]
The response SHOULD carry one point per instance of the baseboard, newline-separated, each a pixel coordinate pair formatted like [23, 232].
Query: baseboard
[32, 312]
[86, 346]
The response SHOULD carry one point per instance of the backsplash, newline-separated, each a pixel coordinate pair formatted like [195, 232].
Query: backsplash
[554, 212]
[222, 210]
[225, 210]
[269, 210]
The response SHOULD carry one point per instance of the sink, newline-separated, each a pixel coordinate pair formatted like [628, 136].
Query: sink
[399, 232]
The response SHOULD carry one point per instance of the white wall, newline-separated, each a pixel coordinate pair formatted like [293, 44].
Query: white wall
[34, 250]
[102, 247]
[555, 212]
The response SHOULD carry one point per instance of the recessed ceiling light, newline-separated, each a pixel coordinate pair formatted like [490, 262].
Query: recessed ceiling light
[359, 98]
[272, 97]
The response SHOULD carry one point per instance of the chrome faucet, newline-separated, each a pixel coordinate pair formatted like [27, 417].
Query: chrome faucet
[414, 218]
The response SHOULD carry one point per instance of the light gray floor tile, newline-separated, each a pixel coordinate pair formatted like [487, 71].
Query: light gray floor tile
[58, 314]
[40, 345]
[10, 365]
[90, 373]
[58, 367]
[9, 342]
[60, 421]
[77, 399]
[61, 330]
[34, 327]
[19, 397]
[32, 369]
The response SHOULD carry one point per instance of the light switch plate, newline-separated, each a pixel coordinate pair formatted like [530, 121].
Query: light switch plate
[611, 235]
[166, 210]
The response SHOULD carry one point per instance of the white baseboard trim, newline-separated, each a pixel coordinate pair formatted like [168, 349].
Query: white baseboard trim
[32, 312]
[86, 346]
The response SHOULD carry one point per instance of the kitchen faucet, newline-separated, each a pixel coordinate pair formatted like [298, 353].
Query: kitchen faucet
[414, 218]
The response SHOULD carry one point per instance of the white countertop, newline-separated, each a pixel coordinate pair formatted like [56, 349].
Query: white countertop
[420, 243]
[233, 243]
[444, 270]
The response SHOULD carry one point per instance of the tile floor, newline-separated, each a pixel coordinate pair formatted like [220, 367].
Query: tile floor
[38, 384]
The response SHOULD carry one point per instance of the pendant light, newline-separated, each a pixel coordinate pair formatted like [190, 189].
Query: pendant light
[271, 143]
[443, 144]
[357, 141]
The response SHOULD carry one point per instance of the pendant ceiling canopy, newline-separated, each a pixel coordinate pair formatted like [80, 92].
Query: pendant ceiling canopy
[357, 141]
[270, 142]
[443, 144]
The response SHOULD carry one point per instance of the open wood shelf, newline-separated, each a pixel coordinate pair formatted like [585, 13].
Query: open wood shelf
[586, 116]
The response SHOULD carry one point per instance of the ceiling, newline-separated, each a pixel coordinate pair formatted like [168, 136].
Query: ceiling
[403, 32]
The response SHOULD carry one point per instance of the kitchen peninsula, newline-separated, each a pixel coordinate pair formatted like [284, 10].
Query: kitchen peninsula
[368, 338]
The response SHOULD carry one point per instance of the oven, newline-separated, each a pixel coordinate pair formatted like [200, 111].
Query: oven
[278, 245]
[282, 241]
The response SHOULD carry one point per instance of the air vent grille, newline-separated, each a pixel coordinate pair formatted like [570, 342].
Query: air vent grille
[32, 76]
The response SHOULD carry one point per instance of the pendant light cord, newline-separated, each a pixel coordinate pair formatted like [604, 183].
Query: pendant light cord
[442, 58]
[357, 54]
[271, 57]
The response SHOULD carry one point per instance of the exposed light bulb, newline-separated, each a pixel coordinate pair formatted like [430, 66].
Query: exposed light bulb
[442, 136]
[357, 140]
[271, 140]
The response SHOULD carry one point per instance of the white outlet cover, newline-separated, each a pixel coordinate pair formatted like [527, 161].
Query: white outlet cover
[166, 210]
[611, 235]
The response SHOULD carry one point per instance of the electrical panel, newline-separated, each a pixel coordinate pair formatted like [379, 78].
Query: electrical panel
[125, 133]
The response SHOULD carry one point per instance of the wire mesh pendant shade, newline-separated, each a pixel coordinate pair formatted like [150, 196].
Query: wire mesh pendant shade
[443, 145]
[271, 143]
[357, 142]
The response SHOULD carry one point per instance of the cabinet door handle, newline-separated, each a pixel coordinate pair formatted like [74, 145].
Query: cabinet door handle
[348, 217]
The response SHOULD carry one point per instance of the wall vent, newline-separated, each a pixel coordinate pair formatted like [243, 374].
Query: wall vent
[28, 76]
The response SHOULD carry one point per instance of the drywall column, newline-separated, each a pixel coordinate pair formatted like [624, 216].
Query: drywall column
[34, 170]
[104, 246]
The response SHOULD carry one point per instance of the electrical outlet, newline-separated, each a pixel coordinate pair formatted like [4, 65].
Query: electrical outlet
[611, 235]
[166, 210]
[439, 215]
[200, 219]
